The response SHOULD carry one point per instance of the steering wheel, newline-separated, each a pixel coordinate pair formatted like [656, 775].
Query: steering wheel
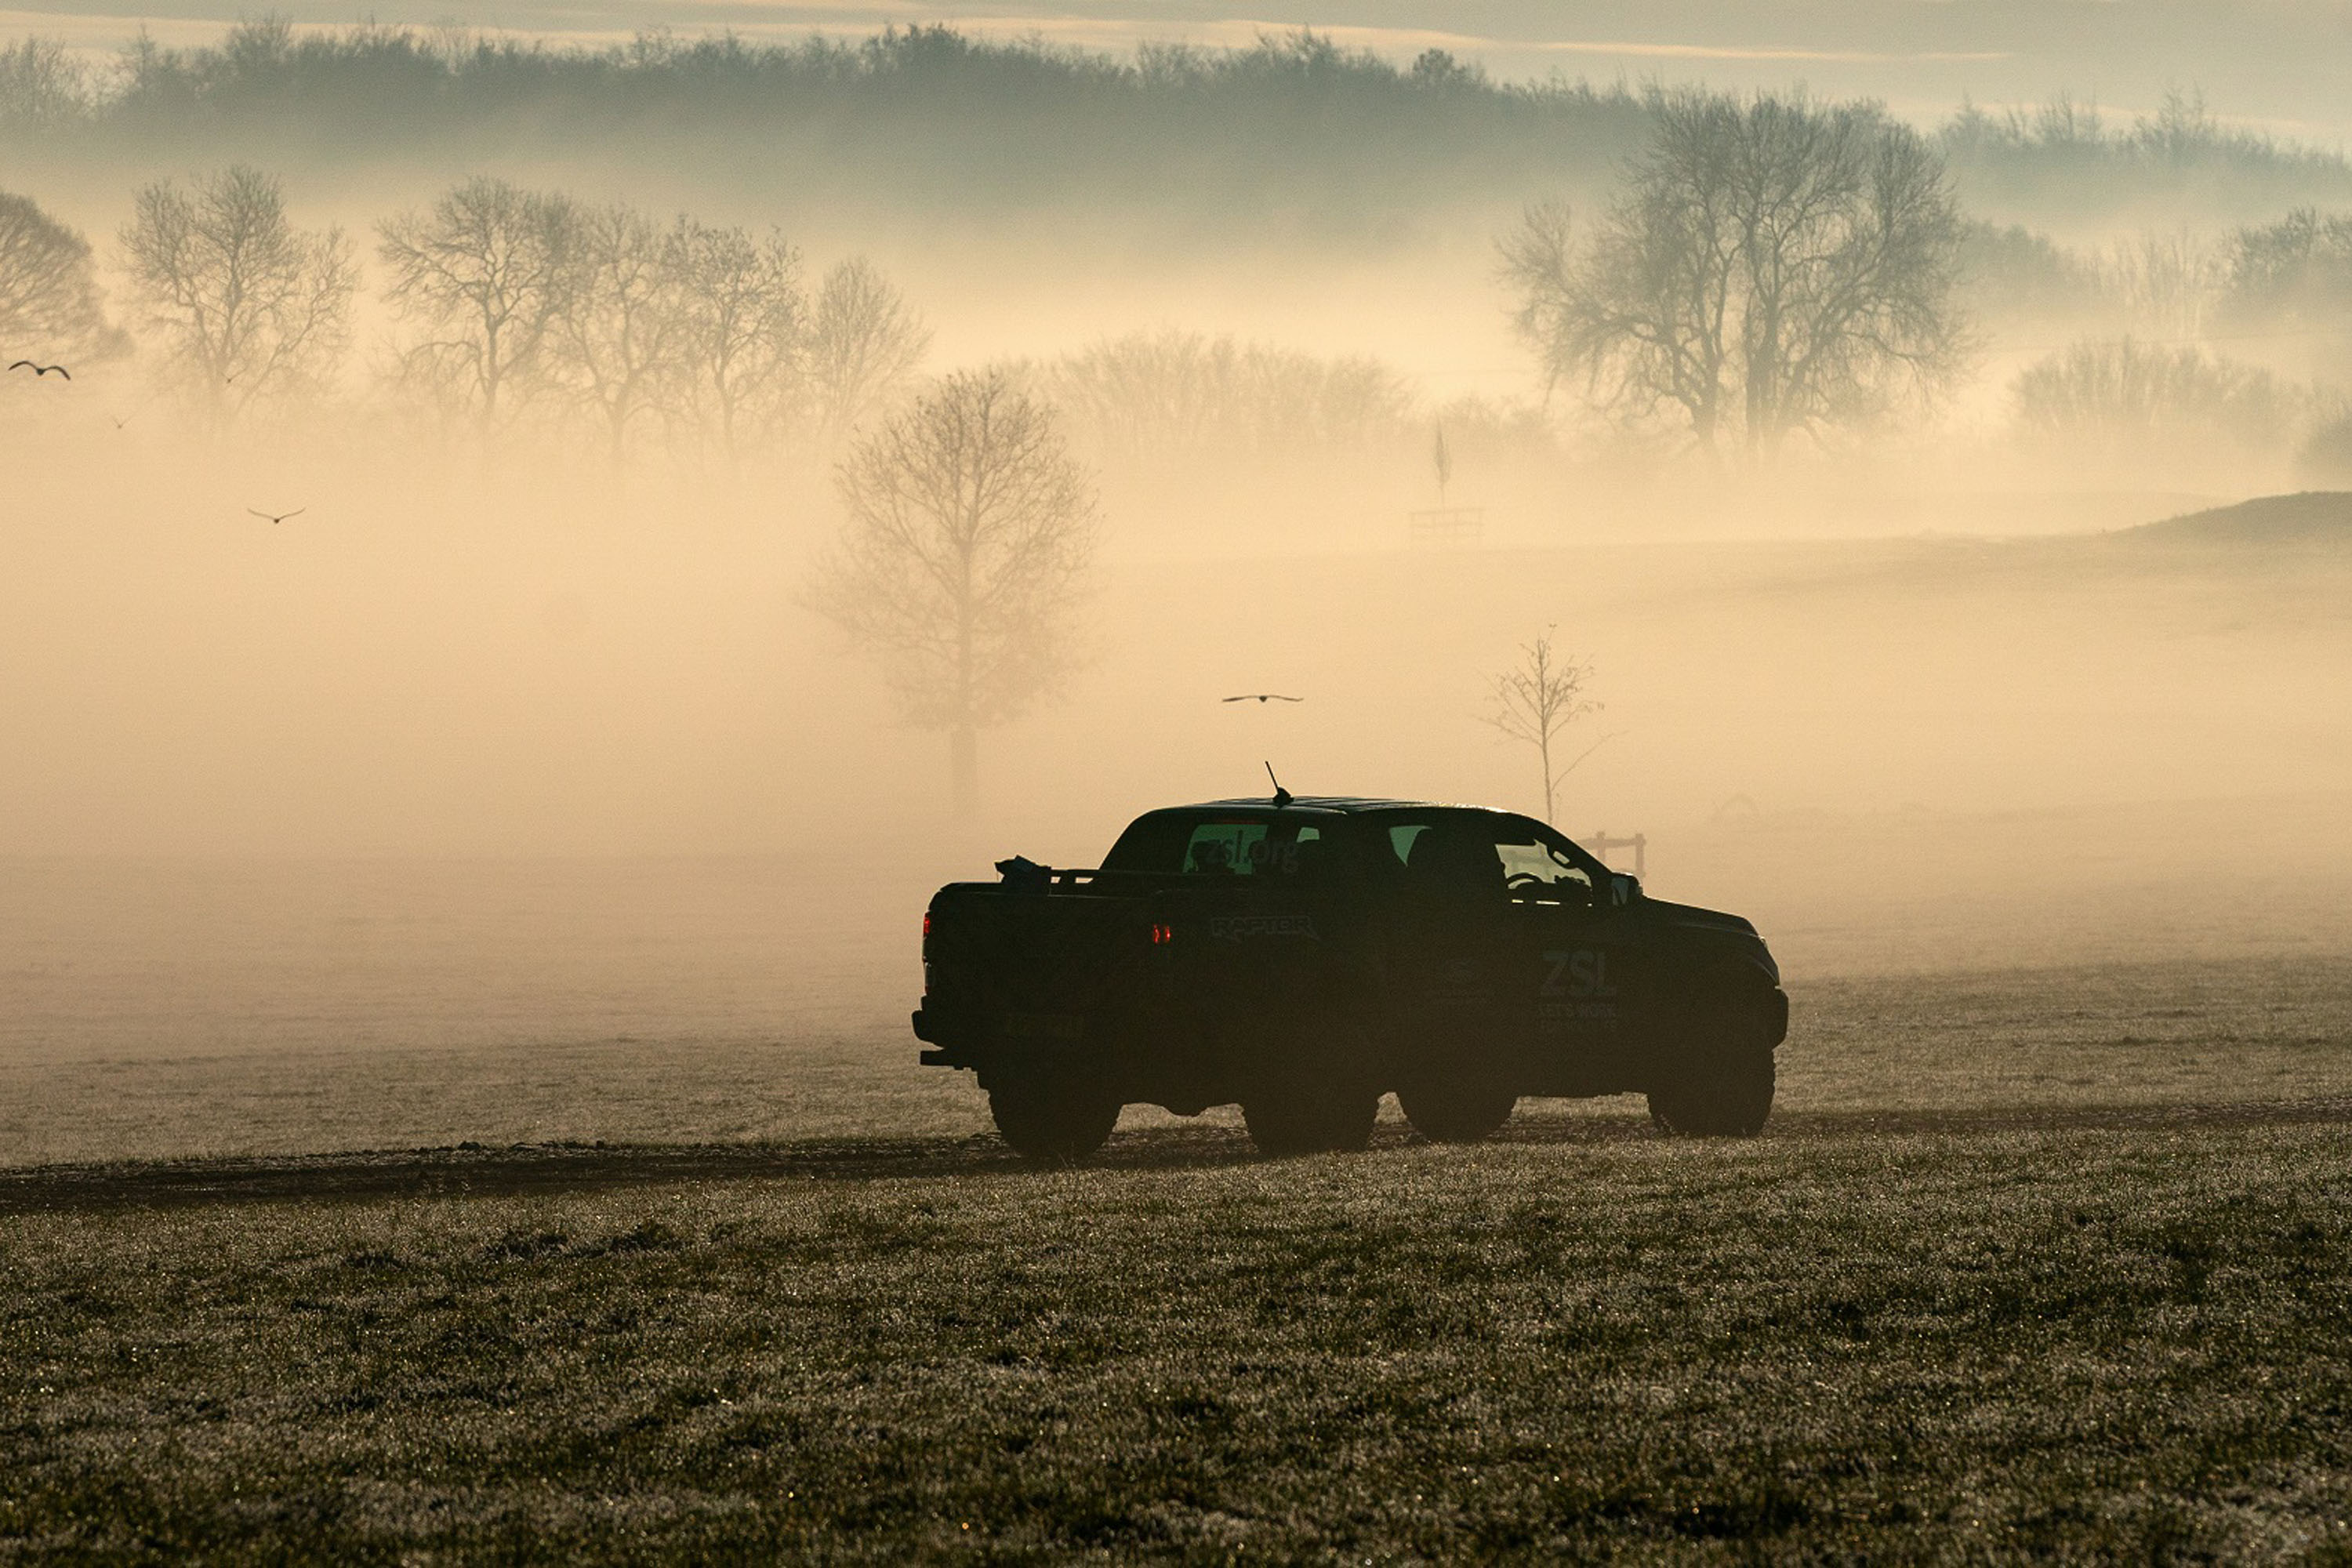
[1519, 881]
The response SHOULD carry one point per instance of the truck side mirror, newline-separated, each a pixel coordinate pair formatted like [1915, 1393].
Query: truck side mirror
[1623, 890]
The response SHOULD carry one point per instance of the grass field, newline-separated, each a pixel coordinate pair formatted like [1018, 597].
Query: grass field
[471, 1237]
[2028, 1264]
[1847, 1338]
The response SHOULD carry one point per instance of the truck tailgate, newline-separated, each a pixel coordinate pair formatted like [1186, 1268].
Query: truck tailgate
[1006, 966]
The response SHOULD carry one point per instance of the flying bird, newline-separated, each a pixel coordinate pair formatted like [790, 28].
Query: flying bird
[1262, 697]
[41, 370]
[280, 516]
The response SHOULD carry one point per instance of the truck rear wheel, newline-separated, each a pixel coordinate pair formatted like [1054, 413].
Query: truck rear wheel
[1052, 1124]
[1456, 1112]
[1310, 1118]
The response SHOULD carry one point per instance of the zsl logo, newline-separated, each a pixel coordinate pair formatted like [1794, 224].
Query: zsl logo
[1583, 973]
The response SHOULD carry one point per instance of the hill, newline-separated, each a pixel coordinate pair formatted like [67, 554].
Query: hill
[2307, 517]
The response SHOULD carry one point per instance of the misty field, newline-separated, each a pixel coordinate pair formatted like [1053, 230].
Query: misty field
[2110, 1342]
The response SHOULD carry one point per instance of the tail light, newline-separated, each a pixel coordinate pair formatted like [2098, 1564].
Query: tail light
[1162, 934]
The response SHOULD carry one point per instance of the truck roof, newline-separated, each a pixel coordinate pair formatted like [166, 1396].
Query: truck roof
[1345, 804]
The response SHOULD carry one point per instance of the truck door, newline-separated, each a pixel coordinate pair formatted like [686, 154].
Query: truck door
[1262, 937]
[1450, 946]
[1570, 966]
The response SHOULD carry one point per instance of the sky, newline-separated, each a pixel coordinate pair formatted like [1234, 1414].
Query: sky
[2281, 65]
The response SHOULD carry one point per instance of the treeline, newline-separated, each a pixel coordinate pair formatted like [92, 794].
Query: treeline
[922, 113]
[523, 313]
[513, 308]
[1151, 397]
[2062, 135]
[943, 117]
[2185, 348]
[1776, 273]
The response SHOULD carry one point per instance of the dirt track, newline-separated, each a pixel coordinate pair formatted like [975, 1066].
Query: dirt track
[468, 1170]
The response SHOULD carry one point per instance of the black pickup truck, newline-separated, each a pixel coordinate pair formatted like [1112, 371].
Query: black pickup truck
[1303, 956]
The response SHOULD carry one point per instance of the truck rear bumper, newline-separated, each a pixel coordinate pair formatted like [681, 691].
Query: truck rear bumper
[940, 1056]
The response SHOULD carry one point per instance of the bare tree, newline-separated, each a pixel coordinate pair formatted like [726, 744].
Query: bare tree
[50, 307]
[2153, 409]
[249, 305]
[1148, 395]
[2165, 284]
[622, 334]
[1537, 262]
[965, 561]
[1772, 266]
[2292, 279]
[744, 311]
[1175, 395]
[485, 274]
[862, 344]
[1537, 699]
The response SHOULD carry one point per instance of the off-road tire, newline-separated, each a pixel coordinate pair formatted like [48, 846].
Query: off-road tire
[1456, 1111]
[1052, 1124]
[1721, 1088]
[1310, 1118]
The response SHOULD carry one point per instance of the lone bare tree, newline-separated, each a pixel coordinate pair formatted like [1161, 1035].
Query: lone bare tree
[860, 347]
[485, 273]
[965, 561]
[1772, 266]
[1537, 699]
[249, 305]
[50, 307]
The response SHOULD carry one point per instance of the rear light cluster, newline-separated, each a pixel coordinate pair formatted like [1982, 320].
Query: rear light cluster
[1162, 934]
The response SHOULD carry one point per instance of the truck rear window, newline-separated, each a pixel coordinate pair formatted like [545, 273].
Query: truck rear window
[1245, 849]
[1211, 846]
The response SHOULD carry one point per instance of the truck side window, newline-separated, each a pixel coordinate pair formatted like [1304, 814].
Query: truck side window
[1538, 873]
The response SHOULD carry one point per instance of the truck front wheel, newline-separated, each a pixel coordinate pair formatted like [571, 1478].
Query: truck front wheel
[1052, 1124]
[1722, 1090]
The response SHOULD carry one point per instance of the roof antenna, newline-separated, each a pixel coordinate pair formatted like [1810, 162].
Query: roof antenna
[1281, 796]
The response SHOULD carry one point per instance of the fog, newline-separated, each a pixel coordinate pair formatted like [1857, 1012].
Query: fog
[1923, 665]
